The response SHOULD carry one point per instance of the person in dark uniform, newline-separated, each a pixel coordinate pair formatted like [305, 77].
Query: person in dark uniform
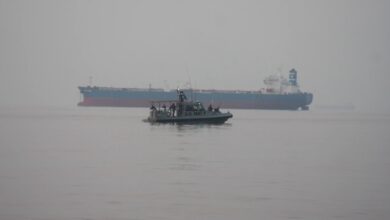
[182, 96]
[172, 108]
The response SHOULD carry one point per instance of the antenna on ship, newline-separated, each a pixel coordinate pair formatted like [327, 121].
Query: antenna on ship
[280, 69]
[90, 78]
[190, 85]
[166, 85]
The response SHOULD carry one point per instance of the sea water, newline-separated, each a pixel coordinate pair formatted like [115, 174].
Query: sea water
[106, 163]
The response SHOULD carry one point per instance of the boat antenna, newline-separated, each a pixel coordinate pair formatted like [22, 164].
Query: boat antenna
[90, 78]
[189, 82]
[190, 85]
[195, 92]
[280, 69]
[166, 85]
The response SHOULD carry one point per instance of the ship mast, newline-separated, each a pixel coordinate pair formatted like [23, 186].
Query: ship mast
[90, 78]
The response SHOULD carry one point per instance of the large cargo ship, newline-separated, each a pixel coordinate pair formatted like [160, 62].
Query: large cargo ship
[279, 93]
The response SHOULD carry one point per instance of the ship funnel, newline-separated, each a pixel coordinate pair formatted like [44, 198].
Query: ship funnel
[293, 77]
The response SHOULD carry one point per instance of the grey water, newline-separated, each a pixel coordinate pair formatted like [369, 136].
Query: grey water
[106, 163]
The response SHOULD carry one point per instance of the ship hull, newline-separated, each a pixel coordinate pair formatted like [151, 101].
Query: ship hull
[113, 97]
[216, 119]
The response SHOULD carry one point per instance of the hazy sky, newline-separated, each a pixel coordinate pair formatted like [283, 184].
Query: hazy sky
[340, 48]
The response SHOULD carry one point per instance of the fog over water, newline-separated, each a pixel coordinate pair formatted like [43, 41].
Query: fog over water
[64, 162]
[340, 48]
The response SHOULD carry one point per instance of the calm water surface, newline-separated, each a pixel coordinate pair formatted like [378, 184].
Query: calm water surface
[105, 163]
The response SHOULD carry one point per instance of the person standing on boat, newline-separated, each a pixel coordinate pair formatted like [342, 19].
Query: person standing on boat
[172, 108]
[182, 96]
[210, 108]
